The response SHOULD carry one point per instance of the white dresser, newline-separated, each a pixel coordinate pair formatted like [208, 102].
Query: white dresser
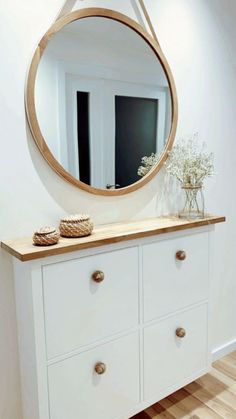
[110, 324]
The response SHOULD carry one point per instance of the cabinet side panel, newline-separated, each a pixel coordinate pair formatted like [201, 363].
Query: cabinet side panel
[26, 339]
[31, 337]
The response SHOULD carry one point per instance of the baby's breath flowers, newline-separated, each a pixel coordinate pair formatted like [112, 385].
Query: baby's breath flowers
[190, 163]
[147, 164]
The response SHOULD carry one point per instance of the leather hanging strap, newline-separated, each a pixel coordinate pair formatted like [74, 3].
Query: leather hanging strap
[148, 19]
[66, 8]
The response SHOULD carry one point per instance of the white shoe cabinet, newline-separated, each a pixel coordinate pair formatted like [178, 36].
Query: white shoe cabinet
[109, 327]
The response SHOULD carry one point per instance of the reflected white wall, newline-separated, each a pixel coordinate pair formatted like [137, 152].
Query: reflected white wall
[46, 98]
[81, 57]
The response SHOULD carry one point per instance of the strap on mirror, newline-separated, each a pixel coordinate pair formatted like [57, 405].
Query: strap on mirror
[148, 19]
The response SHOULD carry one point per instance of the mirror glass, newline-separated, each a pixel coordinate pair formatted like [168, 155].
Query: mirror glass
[102, 102]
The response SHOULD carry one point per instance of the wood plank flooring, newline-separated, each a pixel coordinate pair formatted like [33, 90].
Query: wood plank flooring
[212, 396]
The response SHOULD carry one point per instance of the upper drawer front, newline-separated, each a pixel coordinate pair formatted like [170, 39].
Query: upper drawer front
[171, 284]
[79, 311]
[76, 391]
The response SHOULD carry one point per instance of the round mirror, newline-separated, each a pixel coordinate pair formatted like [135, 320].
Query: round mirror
[101, 102]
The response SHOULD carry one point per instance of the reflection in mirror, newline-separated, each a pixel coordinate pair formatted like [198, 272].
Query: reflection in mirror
[102, 101]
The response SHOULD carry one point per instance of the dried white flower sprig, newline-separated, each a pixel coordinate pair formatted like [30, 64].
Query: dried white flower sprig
[147, 164]
[189, 162]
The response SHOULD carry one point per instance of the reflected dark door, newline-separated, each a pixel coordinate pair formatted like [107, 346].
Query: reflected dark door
[136, 135]
[83, 136]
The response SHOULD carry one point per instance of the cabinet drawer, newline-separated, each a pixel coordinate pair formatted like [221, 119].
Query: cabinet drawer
[171, 284]
[170, 359]
[78, 310]
[77, 391]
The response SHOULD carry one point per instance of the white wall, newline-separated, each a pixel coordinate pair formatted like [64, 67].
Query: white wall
[198, 39]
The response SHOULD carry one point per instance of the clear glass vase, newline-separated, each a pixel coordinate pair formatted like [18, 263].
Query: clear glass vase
[193, 202]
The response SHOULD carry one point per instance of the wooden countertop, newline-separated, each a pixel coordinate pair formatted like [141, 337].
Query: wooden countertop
[24, 250]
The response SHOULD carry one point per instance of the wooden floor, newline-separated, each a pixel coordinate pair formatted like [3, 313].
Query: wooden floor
[210, 397]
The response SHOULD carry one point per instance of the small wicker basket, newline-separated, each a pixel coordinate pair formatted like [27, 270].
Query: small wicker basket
[46, 236]
[78, 225]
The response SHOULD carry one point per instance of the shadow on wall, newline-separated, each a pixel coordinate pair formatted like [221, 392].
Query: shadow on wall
[140, 19]
[155, 198]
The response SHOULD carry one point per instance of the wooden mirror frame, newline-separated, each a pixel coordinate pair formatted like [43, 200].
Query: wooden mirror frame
[31, 108]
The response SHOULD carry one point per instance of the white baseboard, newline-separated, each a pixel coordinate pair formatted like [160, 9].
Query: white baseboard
[223, 350]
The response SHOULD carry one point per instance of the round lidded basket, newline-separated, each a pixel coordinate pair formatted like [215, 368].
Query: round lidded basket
[77, 225]
[46, 236]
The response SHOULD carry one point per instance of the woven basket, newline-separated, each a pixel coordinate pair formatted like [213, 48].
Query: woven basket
[78, 225]
[46, 236]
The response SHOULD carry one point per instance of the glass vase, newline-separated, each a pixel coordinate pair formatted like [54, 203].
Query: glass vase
[193, 202]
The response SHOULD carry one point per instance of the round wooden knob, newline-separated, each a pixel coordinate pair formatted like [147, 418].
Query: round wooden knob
[180, 332]
[98, 276]
[180, 255]
[100, 368]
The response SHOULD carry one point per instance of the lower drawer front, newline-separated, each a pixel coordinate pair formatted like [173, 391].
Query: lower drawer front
[76, 391]
[170, 359]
